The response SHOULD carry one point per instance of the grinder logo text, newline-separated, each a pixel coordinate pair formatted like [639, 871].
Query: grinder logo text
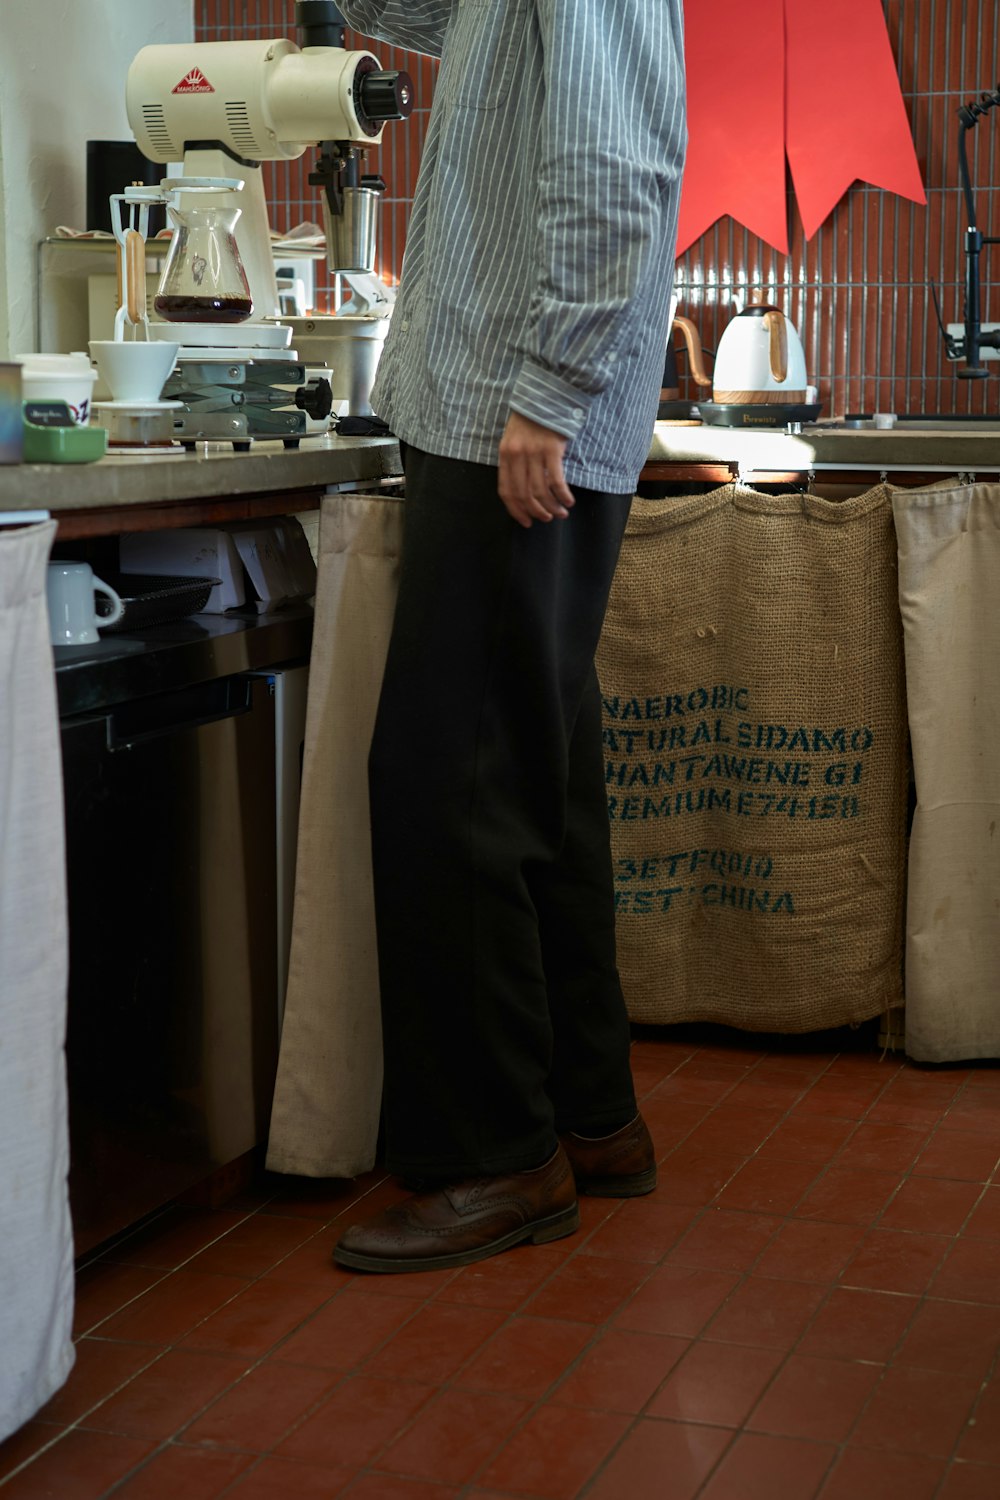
[194, 82]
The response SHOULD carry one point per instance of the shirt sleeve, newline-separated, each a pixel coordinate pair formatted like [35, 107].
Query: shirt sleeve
[613, 141]
[417, 25]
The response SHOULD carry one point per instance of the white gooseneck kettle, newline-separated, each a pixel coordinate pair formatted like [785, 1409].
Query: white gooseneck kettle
[760, 359]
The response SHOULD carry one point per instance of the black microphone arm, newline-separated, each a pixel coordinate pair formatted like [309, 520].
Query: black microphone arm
[968, 346]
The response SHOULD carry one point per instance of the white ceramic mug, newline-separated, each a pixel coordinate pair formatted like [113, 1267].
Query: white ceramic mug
[73, 619]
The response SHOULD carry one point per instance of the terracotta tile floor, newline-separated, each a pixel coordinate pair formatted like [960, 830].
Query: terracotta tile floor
[809, 1306]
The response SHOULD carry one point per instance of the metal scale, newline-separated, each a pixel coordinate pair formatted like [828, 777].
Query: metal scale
[234, 380]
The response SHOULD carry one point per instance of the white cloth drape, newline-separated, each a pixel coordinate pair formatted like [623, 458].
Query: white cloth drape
[948, 540]
[36, 1244]
[327, 1100]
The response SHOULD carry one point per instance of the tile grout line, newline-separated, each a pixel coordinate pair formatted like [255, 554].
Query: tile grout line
[597, 1330]
[920, 1299]
[953, 1457]
[703, 1210]
[636, 1418]
[788, 1354]
[162, 1350]
[432, 1299]
[534, 1407]
[743, 1277]
[788, 1217]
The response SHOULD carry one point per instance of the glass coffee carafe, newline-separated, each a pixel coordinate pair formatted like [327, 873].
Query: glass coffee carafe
[203, 280]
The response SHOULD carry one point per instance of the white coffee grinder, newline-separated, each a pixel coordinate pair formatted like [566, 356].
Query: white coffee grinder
[223, 108]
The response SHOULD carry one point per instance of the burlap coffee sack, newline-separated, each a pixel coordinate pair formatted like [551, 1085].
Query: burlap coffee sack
[755, 737]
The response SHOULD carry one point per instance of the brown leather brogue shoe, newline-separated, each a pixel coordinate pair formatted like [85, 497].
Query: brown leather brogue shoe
[466, 1221]
[622, 1165]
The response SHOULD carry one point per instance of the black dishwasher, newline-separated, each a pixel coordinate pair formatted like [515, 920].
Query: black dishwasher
[169, 746]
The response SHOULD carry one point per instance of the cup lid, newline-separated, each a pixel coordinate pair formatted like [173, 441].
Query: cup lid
[55, 364]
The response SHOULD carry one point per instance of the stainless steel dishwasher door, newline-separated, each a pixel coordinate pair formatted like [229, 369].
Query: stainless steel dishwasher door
[172, 1033]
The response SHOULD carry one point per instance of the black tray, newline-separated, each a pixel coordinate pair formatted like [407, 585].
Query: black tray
[762, 414]
[155, 599]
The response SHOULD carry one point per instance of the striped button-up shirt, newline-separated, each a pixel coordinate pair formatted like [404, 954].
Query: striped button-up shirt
[539, 253]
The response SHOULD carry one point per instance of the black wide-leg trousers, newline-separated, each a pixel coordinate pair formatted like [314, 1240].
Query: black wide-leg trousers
[503, 1018]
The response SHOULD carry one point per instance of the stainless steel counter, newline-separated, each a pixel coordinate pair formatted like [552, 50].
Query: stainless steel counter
[165, 658]
[956, 449]
[179, 871]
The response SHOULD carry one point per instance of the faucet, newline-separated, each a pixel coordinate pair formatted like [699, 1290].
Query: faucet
[967, 346]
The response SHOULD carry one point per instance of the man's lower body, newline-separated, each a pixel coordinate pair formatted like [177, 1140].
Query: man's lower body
[504, 1026]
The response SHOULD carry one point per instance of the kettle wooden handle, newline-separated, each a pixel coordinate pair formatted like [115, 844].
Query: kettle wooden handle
[776, 326]
[693, 341]
[135, 277]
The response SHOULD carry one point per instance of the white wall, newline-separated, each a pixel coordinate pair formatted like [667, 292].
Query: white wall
[63, 65]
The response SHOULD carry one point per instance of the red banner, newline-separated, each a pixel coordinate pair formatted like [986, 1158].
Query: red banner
[736, 118]
[845, 117]
[812, 81]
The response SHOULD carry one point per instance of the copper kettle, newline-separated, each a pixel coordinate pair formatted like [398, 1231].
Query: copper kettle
[670, 390]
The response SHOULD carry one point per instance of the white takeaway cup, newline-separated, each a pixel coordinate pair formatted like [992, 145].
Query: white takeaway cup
[73, 619]
[59, 377]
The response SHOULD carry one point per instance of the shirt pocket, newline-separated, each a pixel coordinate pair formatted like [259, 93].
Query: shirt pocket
[488, 48]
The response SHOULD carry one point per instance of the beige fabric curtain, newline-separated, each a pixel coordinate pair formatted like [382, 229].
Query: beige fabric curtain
[949, 589]
[36, 1243]
[327, 1098]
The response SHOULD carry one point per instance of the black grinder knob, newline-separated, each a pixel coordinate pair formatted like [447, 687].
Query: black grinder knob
[315, 398]
[386, 96]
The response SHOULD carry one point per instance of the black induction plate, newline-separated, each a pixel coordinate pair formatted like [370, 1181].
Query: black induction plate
[762, 414]
[677, 411]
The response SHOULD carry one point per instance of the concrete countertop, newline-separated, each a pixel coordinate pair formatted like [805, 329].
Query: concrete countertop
[903, 447]
[211, 470]
[215, 469]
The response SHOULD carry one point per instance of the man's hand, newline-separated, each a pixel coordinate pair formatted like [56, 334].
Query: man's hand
[532, 484]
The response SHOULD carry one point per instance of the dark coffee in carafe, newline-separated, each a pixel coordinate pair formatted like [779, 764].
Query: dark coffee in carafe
[193, 309]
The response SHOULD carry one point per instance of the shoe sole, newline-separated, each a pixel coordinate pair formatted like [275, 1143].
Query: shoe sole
[538, 1233]
[633, 1186]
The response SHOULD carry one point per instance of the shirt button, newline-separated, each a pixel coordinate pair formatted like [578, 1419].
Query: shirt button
[406, 323]
[578, 411]
[611, 358]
